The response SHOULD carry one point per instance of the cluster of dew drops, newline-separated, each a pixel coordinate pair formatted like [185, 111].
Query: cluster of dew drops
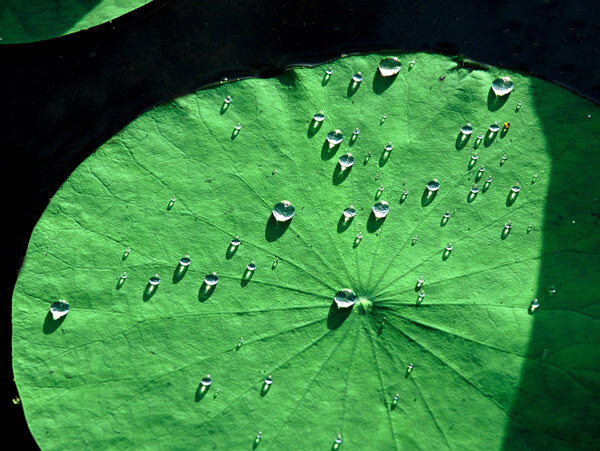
[284, 211]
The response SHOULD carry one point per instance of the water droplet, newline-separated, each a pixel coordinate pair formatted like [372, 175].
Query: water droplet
[482, 169]
[488, 179]
[356, 131]
[329, 71]
[59, 309]
[421, 295]
[345, 298]
[409, 368]
[206, 381]
[380, 188]
[154, 280]
[238, 127]
[433, 185]
[516, 188]
[447, 214]
[551, 290]
[389, 66]
[240, 343]
[236, 241]
[414, 241]
[420, 282]
[185, 261]
[346, 161]
[357, 77]
[275, 263]
[227, 99]
[381, 209]
[589, 116]
[283, 211]
[529, 227]
[124, 275]
[251, 266]
[535, 176]
[349, 212]
[535, 304]
[494, 127]
[388, 147]
[519, 106]
[502, 86]
[335, 137]
[480, 137]
[383, 118]
[466, 129]
[449, 247]
[338, 439]
[412, 64]
[211, 279]
[319, 117]
[269, 380]
[359, 236]
[475, 189]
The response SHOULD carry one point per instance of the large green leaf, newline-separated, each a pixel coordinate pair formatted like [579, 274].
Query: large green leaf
[123, 368]
[35, 20]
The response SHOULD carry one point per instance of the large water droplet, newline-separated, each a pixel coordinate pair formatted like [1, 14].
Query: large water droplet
[206, 381]
[346, 161]
[389, 66]
[516, 188]
[59, 309]
[433, 185]
[494, 127]
[349, 212]
[502, 86]
[283, 211]
[227, 99]
[154, 280]
[388, 147]
[335, 137]
[345, 298]
[269, 380]
[475, 189]
[211, 279]
[251, 266]
[319, 117]
[466, 129]
[357, 77]
[185, 261]
[236, 241]
[381, 209]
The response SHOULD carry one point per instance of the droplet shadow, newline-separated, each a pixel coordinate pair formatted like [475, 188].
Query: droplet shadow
[383, 159]
[206, 291]
[503, 133]
[337, 316]
[446, 255]
[170, 206]
[471, 163]
[352, 88]
[51, 324]
[374, 224]
[381, 83]
[201, 392]
[234, 133]
[444, 221]
[471, 197]
[120, 283]
[494, 102]
[461, 140]
[265, 389]
[230, 252]
[179, 273]
[428, 197]
[313, 128]
[275, 229]
[505, 233]
[325, 80]
[343, 223]
[149, 291]
[328, 150]
[353, 139]
[489, 139]
[246, 277]
[340, 174]
[511, 198]
[224, 108]
[403, 198]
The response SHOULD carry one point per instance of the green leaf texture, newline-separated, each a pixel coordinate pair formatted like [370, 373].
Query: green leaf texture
[36, 20]
[123, 369]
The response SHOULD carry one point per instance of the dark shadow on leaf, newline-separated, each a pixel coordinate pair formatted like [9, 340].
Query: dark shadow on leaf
[120, 283]
[224, 108]
[381, 84]
[427, 197]
[511, 198]
[325, 80]
[505, 233]
[201, 392]
[179, 272]
[230, 252]
[344, 223]
[471, 164]
[340, 174]
[353, 139]
[337, 316]
[265, 389]
[383, 159]
[51, 324]
[461, 140]
[206, 291]
[149, 291]
[446, 255]
[471, 196]
[352, 88]
[246, 277]
[489, 139]
[374, 224]
[503, 132]
[327, 151]
[313, 128]
[275, 229]
[494, 102]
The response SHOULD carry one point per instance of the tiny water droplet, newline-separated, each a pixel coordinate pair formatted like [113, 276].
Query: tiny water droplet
[329, 71]
[251, 266]
[346, 161]
[466, 129]
[475, 189]
[211, 279]
[421, 295]
[516, 188]
[535, 304]
[206, 381]
[238, 126]
[154, 280]
[502, 86]
[529, 227]
[447, 214]
[357, 77]
[480, 137]
[319, 117]
[227, 99]
[412, 64]
[589, 116]
[488, 179]
[283, 211]
[420, 281]
[359, 236]
[508, 225]
[388, 147]
[275, 263]
[335, 137]
[236, 241]
[345, 298]
[482, 169]
[433, 185]
[356, 131]
[173, 198]
[535, 176]
[415, 239]
[409, 368]
[59, 309]
[124, 275]
[185, 261]
[389, 66]
[551, 291]
[381, 209]
[519, 105]
[240, 343]
[494, 127]
[475, 156]
[380, 188]
[449, 247]
[269, 380]
[383, 118]
[338, 439]
[349, 212]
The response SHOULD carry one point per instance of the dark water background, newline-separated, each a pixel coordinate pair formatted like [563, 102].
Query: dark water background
[62, 98]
